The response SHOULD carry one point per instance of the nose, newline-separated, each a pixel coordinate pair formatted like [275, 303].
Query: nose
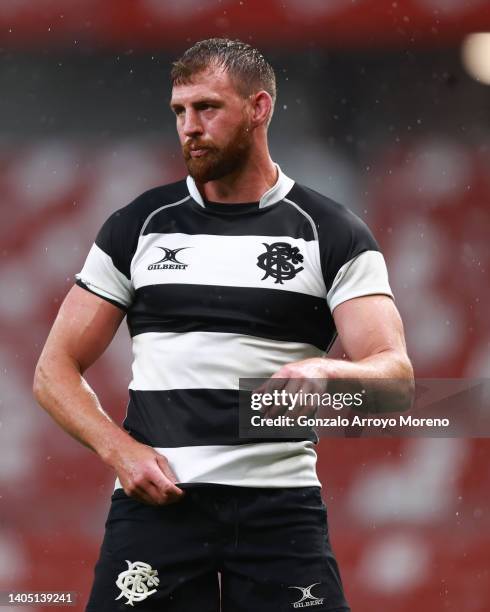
[191, 125]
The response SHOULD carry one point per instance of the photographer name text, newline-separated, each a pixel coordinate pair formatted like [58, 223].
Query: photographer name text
[353, 421]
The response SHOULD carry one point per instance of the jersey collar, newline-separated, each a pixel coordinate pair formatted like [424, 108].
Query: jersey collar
[276, 193]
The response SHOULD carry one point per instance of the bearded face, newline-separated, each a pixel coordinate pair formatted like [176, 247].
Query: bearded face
[208, 161]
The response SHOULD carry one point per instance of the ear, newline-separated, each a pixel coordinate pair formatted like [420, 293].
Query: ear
[261, 108]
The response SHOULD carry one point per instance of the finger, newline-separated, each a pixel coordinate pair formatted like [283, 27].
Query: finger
[156, 496]
[298, 388]
[260, 388]
[316, 388]
[164, 466]
[291, 388]
[174, 495]
[142, 495]
[169, 475]
[165, 487]
[163, 496]
[277, 383]
[155, 488]
[165, 479]
[309, 403]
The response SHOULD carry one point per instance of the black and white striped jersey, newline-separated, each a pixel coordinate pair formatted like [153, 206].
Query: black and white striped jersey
[215, 292]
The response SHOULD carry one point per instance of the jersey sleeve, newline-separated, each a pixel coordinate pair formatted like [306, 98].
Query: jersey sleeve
[353, 265]
[106, 271]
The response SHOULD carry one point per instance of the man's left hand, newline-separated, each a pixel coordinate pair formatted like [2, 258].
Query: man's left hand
[305, 376]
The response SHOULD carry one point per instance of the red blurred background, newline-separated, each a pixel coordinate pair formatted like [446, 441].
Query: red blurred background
[376, 110]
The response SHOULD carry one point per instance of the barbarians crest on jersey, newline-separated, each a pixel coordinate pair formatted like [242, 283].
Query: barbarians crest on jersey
[171, 257]
[279, 261]
[136, 582]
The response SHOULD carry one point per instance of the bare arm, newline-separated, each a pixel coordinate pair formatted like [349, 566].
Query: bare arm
[83, 329]
[371, 331]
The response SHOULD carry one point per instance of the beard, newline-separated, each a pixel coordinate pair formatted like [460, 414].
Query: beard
[218, 162]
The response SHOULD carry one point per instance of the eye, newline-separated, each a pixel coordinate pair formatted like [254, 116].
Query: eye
[204, 106]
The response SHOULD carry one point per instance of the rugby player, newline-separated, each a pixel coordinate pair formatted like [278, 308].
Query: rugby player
[235, 271]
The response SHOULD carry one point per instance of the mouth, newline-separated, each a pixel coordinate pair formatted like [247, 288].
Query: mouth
[197, 152]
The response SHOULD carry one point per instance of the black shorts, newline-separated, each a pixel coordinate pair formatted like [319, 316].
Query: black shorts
[220, 548]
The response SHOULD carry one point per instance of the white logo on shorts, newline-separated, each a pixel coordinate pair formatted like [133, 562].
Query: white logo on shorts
[134, 581]
[307, 599]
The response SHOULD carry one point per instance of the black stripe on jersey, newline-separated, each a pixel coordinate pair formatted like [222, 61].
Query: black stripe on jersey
[113, 302]
[267, 313]
[191, 218]
[188, 417]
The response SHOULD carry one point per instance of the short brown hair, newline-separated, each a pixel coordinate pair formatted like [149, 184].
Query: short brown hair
[246, 66]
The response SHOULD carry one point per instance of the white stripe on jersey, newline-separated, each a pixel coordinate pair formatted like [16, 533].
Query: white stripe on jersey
[101, 276]
[266, 464]
[208, 360]
[223, 261]
[365, 274]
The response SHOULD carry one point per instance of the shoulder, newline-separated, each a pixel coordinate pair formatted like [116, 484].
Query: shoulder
[339, 229]
[118, 236]
[342, 235]
[134, 214]
[328, 215]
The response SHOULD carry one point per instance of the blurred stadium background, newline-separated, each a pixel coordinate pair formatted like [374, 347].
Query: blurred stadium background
[376, 109]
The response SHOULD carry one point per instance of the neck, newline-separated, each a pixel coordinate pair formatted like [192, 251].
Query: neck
[245, 185]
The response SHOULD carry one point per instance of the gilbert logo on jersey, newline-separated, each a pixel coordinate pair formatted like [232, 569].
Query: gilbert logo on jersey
[171, 257]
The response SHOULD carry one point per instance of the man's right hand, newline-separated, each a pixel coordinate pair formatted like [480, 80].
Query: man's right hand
[83, 329]
[145, 474]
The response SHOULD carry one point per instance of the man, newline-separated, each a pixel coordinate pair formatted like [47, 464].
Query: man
[236, 271]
